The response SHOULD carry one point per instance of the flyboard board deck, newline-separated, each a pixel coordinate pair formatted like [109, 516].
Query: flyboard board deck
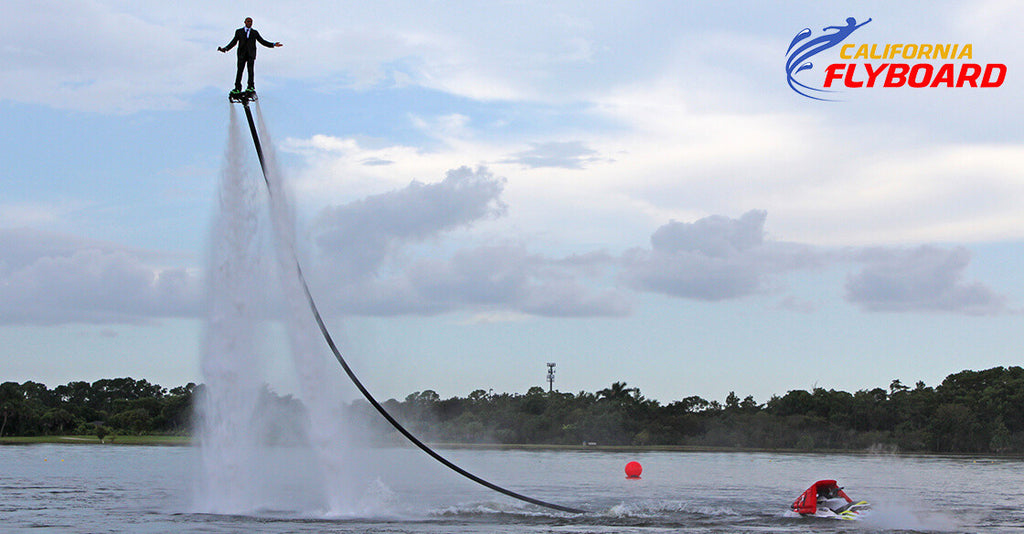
[243, 97]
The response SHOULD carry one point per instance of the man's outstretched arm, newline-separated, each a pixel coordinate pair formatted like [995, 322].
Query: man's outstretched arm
[230, 45]
[265, 42]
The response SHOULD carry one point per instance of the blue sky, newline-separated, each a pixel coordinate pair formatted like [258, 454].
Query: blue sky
[629, 189]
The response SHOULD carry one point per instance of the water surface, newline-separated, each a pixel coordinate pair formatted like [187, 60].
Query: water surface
[92, 488]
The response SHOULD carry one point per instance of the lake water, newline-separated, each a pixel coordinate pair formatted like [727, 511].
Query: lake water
[92, 488]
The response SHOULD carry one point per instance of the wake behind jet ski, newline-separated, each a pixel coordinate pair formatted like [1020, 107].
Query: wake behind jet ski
[826, 499]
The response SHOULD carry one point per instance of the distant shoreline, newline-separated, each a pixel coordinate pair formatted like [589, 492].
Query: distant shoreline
[187, 441]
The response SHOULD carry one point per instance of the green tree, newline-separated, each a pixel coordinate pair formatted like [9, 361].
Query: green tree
[137, 420]
[619, 393]
[59, 421]
[732, 401]
[955, 428]
[1001, 439]
[12, 407]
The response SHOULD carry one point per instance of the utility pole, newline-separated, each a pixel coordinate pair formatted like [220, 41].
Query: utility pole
[551, 376]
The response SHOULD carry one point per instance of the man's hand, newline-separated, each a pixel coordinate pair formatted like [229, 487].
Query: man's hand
[277, 45]
[221, 49]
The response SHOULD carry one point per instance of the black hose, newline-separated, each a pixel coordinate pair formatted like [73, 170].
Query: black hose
[362, 389]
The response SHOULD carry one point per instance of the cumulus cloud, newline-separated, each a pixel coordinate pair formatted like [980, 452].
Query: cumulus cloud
[357, 237]
[719, 258]
[533, 283]
[49, 279]
[502, 277]
[715, 236]
[714, 258]
[924, 278]
[368, 262]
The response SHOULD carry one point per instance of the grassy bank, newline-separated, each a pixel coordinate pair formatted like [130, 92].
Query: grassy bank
[93, 440]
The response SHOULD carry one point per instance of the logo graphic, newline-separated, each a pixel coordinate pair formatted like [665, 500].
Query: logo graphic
[886, 65]
[798, 59]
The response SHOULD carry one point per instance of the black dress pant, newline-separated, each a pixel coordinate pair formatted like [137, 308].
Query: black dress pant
[244, 62]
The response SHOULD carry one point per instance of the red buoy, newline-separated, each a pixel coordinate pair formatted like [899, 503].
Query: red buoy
[633, 470]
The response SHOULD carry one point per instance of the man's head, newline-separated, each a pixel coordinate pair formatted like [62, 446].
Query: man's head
[248, 22]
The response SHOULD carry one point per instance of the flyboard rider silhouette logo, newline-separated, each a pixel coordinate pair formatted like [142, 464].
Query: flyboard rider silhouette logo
[891, 65]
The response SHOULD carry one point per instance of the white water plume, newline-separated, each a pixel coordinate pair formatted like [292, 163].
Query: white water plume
[320, 381]
[239, 474]
[227, 405]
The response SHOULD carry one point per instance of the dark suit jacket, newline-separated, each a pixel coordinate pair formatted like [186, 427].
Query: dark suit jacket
[247, 45]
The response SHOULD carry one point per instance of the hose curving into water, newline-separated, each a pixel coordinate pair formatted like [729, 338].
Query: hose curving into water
[355, 380]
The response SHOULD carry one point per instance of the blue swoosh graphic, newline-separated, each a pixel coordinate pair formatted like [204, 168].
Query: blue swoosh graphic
[799, 59]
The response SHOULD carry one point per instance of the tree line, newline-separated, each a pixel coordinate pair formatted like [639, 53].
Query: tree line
[118, 405]
[969, 412]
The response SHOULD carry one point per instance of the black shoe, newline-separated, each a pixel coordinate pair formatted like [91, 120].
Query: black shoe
[250, 89]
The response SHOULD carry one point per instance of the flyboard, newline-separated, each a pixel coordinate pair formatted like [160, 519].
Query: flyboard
[245, 98]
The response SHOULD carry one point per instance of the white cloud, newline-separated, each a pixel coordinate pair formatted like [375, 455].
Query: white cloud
[924, 278]
[357, 237]
[345, 169]
[368, 258]
[714, 258]
[48, 279]
[96, 56]
[563, 154]
[31, 214]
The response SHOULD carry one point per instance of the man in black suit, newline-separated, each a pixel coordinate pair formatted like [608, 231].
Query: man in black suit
[246, 39]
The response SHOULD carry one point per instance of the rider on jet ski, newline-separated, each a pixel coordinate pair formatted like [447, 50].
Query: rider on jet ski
[826, 499]
[833, 498]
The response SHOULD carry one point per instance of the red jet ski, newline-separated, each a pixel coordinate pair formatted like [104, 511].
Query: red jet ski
[826, 499]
